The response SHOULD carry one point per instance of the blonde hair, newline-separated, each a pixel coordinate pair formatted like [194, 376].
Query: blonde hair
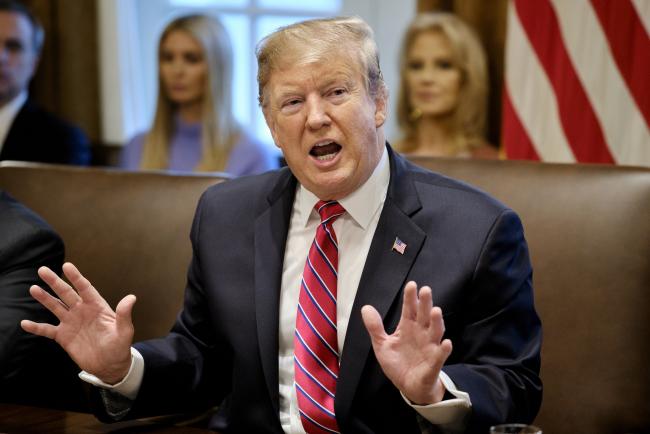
[316, 40]
[219, 130]
[469, 117]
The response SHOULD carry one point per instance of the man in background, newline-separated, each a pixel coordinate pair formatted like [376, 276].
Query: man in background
[27, 132]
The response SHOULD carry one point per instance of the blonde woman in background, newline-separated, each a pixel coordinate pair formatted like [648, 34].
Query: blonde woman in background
[194, 127]
[442, 103]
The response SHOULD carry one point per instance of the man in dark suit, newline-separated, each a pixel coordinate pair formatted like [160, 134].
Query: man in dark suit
[298, 322]
[27, 132]
[32, 369]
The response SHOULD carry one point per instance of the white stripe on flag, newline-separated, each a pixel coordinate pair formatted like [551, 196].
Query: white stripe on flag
[643, 11]
[625, 130]
[532, 95]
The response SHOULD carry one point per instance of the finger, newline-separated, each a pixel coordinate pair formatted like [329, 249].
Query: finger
[373, 323]
[425, 304]
[50, 302]
[442, 354]
[409, 306]
[39, 329]
[124, 315]
[64, 291]
[86, 290]
[437, 324]
[446, 348]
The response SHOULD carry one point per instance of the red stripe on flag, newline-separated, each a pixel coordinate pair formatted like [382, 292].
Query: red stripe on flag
[514, 137]
[630, 47]
[581, 126]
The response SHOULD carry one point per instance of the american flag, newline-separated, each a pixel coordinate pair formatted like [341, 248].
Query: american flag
[399, 246]
[577, 81]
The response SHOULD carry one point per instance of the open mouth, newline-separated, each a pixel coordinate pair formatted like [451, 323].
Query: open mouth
[325, 151]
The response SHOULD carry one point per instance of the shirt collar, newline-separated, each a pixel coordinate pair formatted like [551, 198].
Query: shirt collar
[8, 113]
[361, 204]
[13, 106]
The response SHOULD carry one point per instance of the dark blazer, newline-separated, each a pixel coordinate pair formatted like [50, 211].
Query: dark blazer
[467, 246]
[36, 135]
[33, 370]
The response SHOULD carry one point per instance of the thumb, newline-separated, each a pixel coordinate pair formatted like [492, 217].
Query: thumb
[123, 313]
[373, 323]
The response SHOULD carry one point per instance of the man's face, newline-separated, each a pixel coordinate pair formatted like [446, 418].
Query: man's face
[18, 57]
[327, 125]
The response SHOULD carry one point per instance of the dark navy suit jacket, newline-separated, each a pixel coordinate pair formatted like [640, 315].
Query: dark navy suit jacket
[467, 246]
[33, 370]
[36, 135]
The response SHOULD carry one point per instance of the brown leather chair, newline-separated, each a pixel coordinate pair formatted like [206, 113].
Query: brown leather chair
[588, 229]
[128, 232]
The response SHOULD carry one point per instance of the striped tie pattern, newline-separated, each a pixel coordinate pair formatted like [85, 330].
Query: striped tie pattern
[316, 355]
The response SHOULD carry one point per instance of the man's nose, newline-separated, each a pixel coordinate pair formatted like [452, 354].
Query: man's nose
[317, 116]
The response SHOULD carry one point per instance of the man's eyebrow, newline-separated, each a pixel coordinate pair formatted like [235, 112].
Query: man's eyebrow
[345, 79]
[13, 41]
[288, 90]
[14, 44]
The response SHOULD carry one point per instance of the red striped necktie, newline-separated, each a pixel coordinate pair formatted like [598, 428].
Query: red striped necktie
[316, 353]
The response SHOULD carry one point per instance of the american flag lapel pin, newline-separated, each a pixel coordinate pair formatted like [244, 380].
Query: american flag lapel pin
[399, 246]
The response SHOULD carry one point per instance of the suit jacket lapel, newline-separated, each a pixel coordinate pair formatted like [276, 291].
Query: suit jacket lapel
[271, 229]
[383, 277]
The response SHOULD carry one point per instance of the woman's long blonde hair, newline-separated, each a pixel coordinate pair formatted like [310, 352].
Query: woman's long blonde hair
[469, 118]
[220, 130]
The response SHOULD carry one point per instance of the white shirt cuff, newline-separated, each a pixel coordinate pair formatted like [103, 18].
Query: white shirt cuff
[130, 385]
[447, 412]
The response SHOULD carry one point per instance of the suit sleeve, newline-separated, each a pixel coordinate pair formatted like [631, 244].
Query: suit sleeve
[496, 357]
[33, 370]
[20, 261]
[78, 146]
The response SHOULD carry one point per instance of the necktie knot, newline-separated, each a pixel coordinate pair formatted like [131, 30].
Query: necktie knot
[329, 210]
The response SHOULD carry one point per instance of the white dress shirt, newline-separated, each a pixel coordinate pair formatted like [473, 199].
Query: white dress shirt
[8, 113]
[354, 231]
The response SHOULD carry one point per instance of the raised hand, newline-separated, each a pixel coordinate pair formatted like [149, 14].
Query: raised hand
[413, 355]
[96, 338]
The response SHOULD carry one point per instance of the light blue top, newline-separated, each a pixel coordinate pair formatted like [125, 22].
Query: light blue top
[248, 156]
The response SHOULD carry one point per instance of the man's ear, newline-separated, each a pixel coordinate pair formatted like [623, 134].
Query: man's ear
[270, 122]
[35, 62]
[381, 107]
[380, 118]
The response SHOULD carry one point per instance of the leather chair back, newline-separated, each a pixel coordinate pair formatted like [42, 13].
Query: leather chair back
[588, 230]
[127, 232]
